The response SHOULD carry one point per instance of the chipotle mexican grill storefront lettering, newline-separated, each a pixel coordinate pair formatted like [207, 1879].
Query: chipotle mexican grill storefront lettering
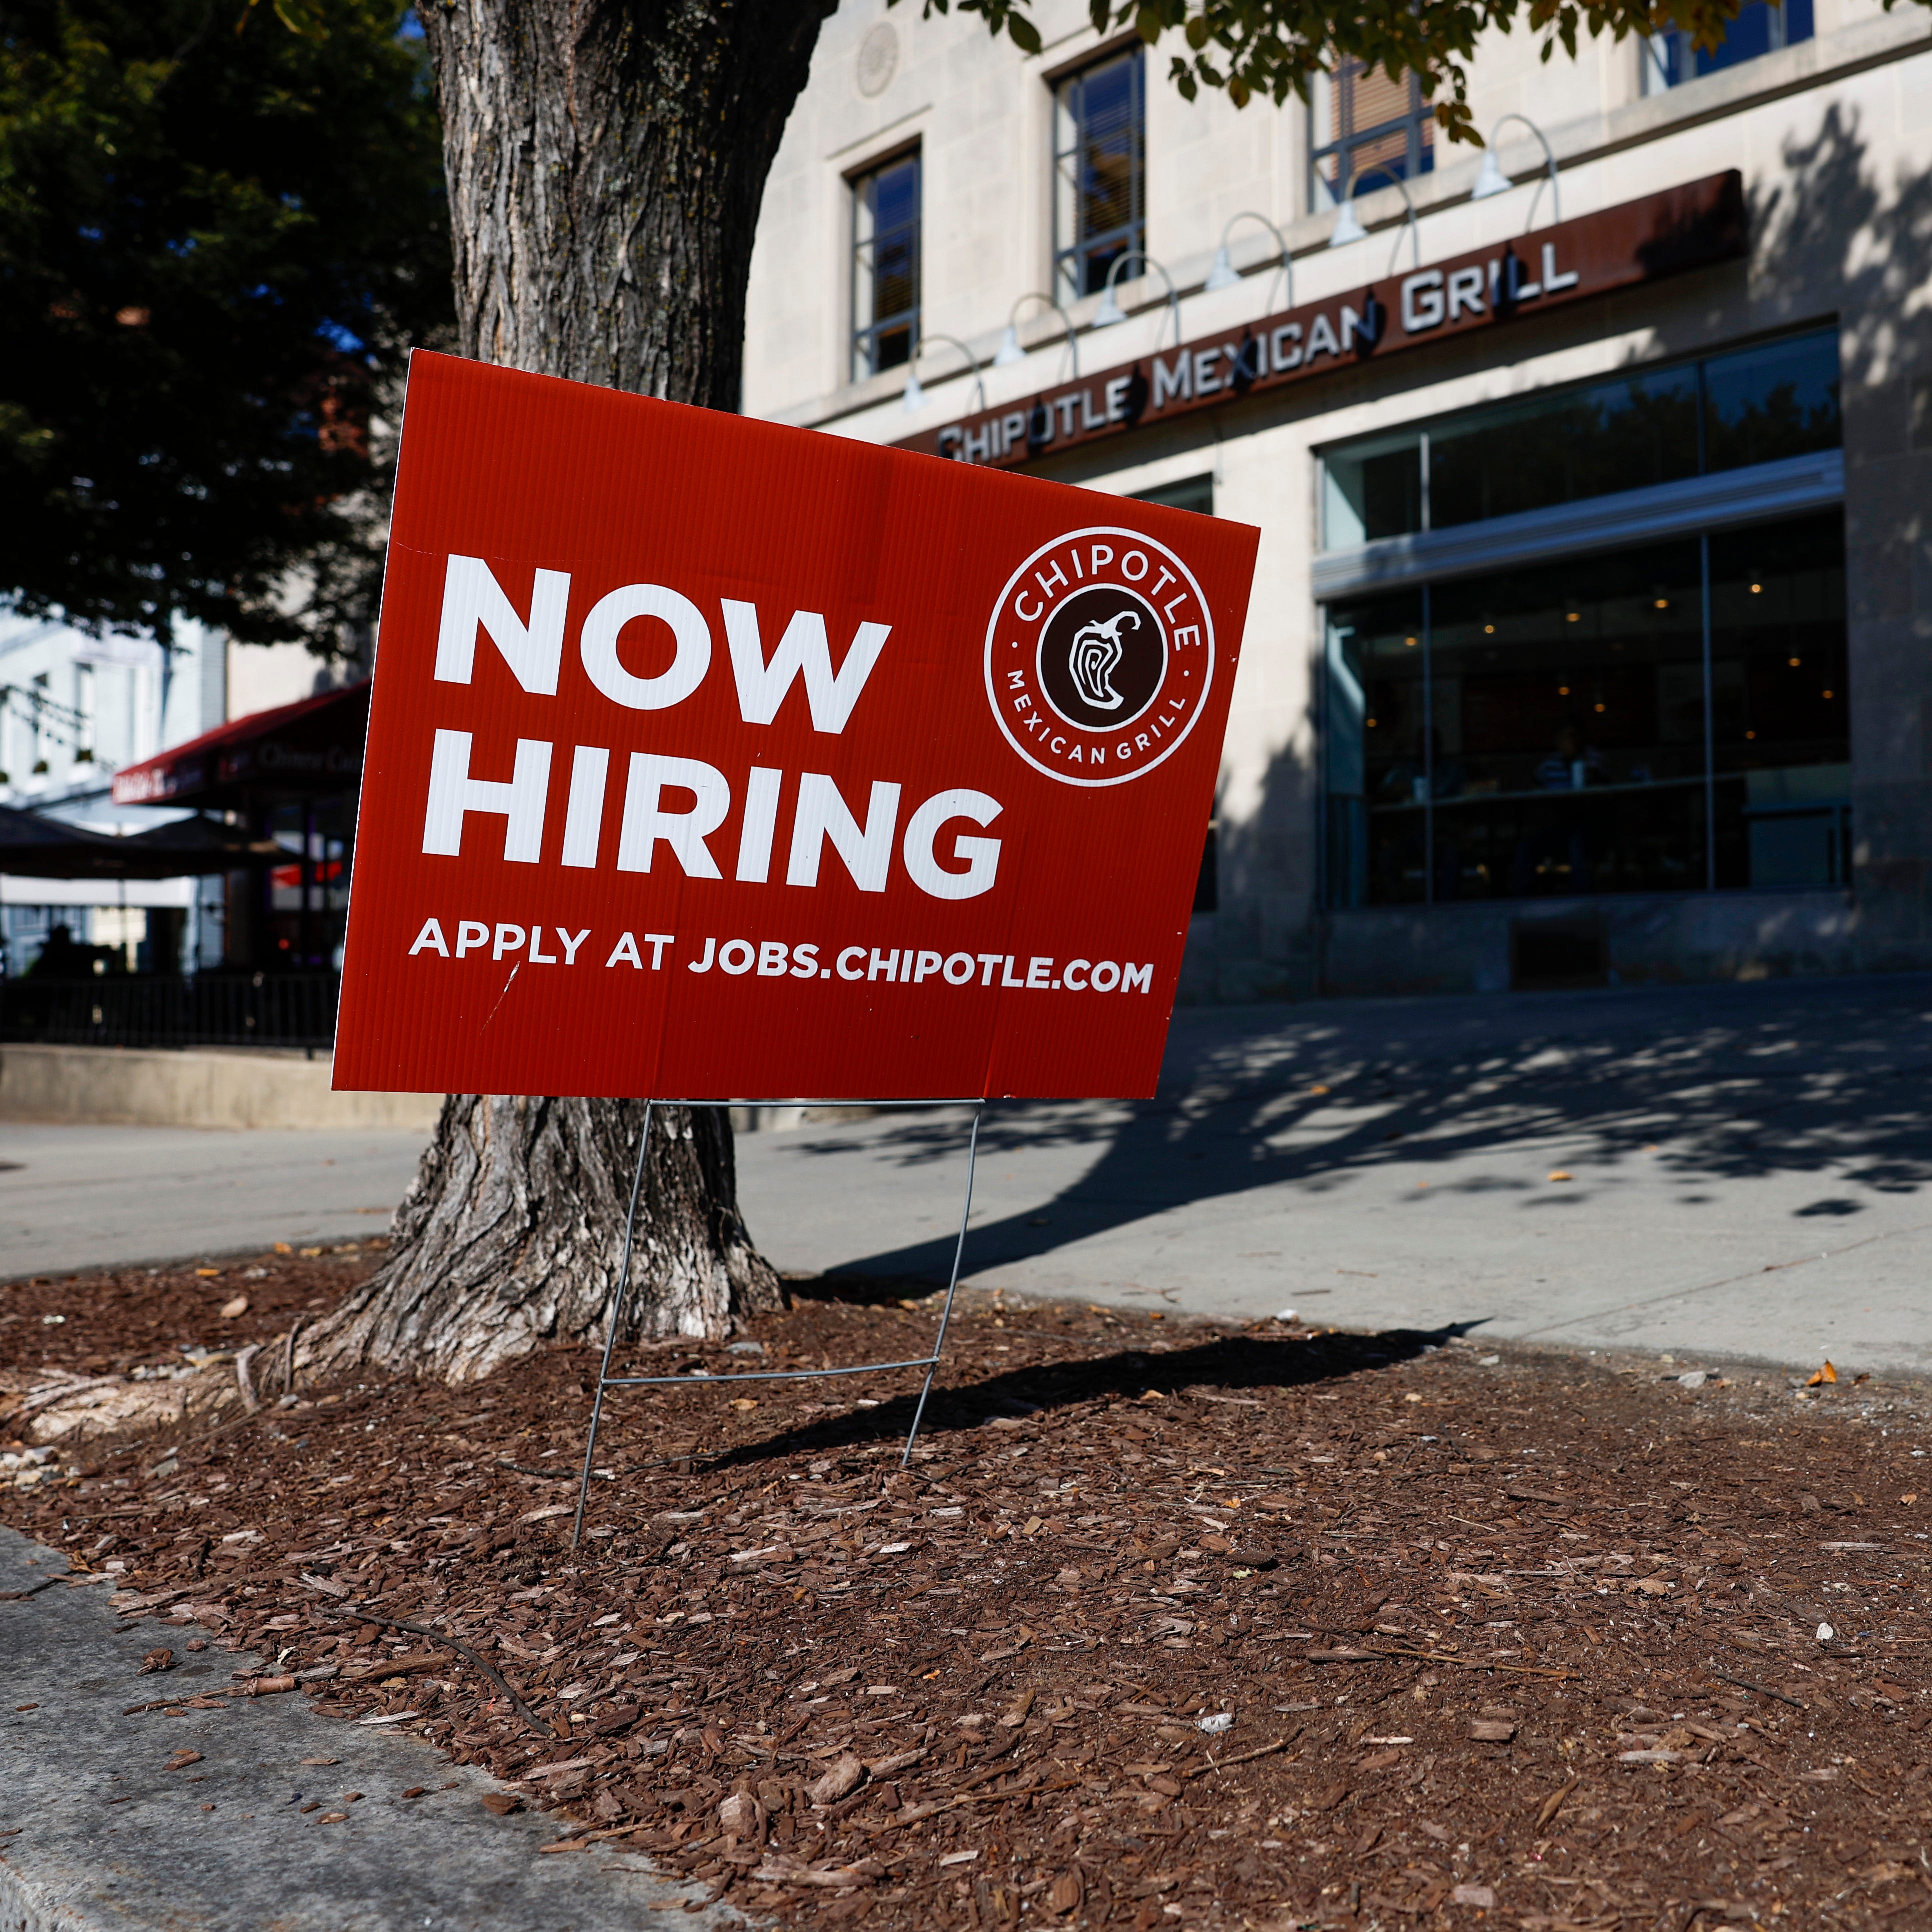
[1688, 227]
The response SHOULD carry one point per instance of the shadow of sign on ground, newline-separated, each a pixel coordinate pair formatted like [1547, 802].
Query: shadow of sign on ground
[1230, 1364]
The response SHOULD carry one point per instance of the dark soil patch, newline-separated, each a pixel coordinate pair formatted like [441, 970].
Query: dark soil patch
[1535, 1637]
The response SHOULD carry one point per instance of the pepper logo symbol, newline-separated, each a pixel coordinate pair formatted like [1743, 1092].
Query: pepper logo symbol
[1096, 651]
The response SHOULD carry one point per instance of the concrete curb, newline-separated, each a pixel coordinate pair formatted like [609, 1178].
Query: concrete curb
[98, 1835]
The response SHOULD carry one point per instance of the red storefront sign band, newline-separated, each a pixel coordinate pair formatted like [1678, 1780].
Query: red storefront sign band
[712, 758]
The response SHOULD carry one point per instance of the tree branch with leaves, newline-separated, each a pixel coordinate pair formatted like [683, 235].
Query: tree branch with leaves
[1269, 49]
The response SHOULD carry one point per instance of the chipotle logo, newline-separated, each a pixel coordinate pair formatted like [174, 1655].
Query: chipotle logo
[1099, 656]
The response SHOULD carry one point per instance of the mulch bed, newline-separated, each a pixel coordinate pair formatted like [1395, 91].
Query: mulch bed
[1169, 1624]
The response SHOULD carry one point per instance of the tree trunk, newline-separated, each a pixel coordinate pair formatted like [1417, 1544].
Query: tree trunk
[512, 1235]
[606, 162]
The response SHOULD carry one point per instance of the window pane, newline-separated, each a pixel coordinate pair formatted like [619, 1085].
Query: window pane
[1777, 400]
[1569, 728]
[1373, 490]
[1624, 435]
[1374, 701]
[1196, 494]
[885, 266]
[1781, 712]
[1377, 128]
[1099, 166]
[1671, 58]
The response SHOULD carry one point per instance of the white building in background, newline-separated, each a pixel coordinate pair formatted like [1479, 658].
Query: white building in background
[74, 710]
[1591, 637]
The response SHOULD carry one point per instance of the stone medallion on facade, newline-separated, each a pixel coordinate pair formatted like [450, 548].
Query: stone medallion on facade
[878, 60]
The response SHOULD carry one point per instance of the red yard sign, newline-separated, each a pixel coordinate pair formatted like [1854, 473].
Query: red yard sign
[710, 759]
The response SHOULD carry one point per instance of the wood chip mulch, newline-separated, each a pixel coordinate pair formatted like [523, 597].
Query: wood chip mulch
[1168, 1624]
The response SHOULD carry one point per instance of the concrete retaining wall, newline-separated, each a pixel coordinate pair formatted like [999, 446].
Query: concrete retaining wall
[111, 1086]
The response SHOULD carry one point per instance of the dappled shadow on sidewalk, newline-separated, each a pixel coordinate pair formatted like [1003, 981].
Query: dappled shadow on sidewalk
[1825, 1078]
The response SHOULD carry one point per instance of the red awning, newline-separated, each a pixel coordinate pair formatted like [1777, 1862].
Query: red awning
[303, 750]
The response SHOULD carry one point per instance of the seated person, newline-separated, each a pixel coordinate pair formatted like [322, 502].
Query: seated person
[1572, 765]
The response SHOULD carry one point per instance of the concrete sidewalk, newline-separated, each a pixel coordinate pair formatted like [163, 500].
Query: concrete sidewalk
[96, 1832]
[1751, 1175]
[1748, 1174]
[80, 1197]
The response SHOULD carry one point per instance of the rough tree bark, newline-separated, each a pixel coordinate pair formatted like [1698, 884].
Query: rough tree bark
[606, 161]
[511, 1236]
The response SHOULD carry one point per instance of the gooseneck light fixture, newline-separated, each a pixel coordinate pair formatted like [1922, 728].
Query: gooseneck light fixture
[1348, 228]
[915, 395]
[1224, 274]
[1012, 355]
[1492, 181]
[1110, 310]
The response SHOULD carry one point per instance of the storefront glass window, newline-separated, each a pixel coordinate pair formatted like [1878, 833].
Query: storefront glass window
[1781, 737]
[1762, 404]
[1569, 713]
[1373, 489]
[1778, 399]
[1544, 732]
[1624, 435]
[1377, 738]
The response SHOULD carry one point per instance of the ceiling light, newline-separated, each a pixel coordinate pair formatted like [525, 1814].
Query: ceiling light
[1796, 662]
[1663, 603]
[1756, 590]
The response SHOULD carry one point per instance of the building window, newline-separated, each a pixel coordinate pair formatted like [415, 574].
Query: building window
[1761, 28]
[1774, 400]
[1195, 493]
[1364, 125]
[885, 266]
[1099, 164]
[1669, 718]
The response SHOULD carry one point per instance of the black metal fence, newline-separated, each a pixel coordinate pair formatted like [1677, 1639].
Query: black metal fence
[294, 1010]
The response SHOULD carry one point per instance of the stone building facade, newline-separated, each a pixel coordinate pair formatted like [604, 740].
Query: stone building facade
[1591, 641]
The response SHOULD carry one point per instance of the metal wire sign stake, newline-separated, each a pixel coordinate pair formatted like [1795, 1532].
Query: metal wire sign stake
[930, 1363]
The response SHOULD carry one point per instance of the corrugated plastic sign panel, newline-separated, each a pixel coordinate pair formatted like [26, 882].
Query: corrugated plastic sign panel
[710, 759]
